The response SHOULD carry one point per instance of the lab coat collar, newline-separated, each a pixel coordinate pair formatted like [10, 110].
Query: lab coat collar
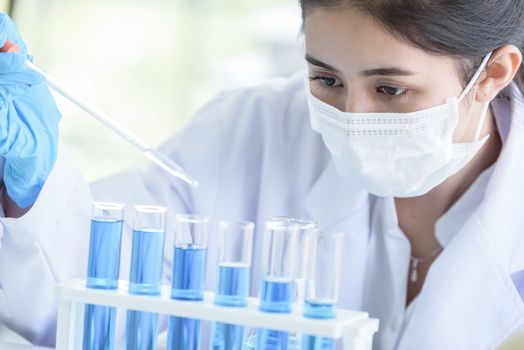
[451, 222]
[468, 300]
[332, 199]
[501, 211]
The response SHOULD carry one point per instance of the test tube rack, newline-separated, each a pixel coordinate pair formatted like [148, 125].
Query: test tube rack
[355, 328]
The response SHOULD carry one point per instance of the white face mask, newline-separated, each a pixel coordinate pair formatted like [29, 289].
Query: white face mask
[396, 154]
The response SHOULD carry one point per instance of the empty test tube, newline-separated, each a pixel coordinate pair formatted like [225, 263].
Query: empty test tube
[102, 273]
[145, 278]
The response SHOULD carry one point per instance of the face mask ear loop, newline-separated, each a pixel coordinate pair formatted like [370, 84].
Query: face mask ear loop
[475, 77]
[483, 113]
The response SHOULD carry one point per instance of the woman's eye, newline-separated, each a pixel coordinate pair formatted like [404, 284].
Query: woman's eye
[391, 91]
[327, 81]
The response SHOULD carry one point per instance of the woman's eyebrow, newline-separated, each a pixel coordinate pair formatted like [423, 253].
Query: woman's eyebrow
[318, 63]
[387, 71]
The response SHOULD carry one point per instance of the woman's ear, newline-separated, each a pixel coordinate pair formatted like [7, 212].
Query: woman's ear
[500, 72]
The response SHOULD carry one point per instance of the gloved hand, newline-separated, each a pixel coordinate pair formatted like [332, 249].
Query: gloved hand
[28, 120]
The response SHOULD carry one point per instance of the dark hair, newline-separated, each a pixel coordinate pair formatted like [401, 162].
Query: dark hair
[466, 30]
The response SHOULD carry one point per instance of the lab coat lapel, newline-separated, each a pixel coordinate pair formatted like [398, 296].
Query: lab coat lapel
[501, 213]
[337, 206]
[333, 200]
[469, 299]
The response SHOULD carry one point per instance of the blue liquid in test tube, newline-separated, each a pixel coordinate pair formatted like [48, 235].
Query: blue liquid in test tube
[277, 288]
[276, 295]
[322, 284]
[233, 284]
[188, 271]
[306, 226]
[187, 284]
[232, 290]
[321, 310]
[146, 262]
[146, 274]
[189, 264]
[102, 273]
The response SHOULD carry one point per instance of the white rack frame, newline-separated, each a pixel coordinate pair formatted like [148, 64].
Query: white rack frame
[356, 328]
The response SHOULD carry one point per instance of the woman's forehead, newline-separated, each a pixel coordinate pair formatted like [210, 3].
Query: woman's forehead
[349, 37]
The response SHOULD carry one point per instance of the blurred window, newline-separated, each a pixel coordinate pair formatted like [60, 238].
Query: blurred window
[151, 64]
[5, 6]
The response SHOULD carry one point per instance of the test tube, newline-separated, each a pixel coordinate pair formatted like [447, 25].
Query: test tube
[322, 284]
[145, 277]
[306, 227]
[277, 287]
[189, 264]
[102, 273]
[232, 290]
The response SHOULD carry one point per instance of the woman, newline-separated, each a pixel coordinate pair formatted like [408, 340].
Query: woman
[416, 153]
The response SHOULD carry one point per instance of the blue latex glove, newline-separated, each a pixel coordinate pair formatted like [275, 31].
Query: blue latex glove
[28, 121]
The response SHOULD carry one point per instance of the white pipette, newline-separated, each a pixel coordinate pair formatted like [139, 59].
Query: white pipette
[150, 152]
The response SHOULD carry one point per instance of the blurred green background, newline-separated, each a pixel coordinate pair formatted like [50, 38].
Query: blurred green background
[151, 64]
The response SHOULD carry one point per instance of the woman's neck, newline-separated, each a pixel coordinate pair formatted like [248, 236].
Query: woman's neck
[417, 216]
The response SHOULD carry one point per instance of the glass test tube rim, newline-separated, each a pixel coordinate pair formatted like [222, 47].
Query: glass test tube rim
[276, 224]
[108, 205]
[192, 218]
[244, 223]
[304, 223]
[150, 209]
[107, 211]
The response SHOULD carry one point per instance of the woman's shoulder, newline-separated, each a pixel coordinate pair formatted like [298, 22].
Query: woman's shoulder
[271, 87]
[274, 108]
[273, 112]
[264, 100]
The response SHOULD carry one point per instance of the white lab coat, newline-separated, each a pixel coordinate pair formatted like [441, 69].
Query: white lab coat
[255, 155]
